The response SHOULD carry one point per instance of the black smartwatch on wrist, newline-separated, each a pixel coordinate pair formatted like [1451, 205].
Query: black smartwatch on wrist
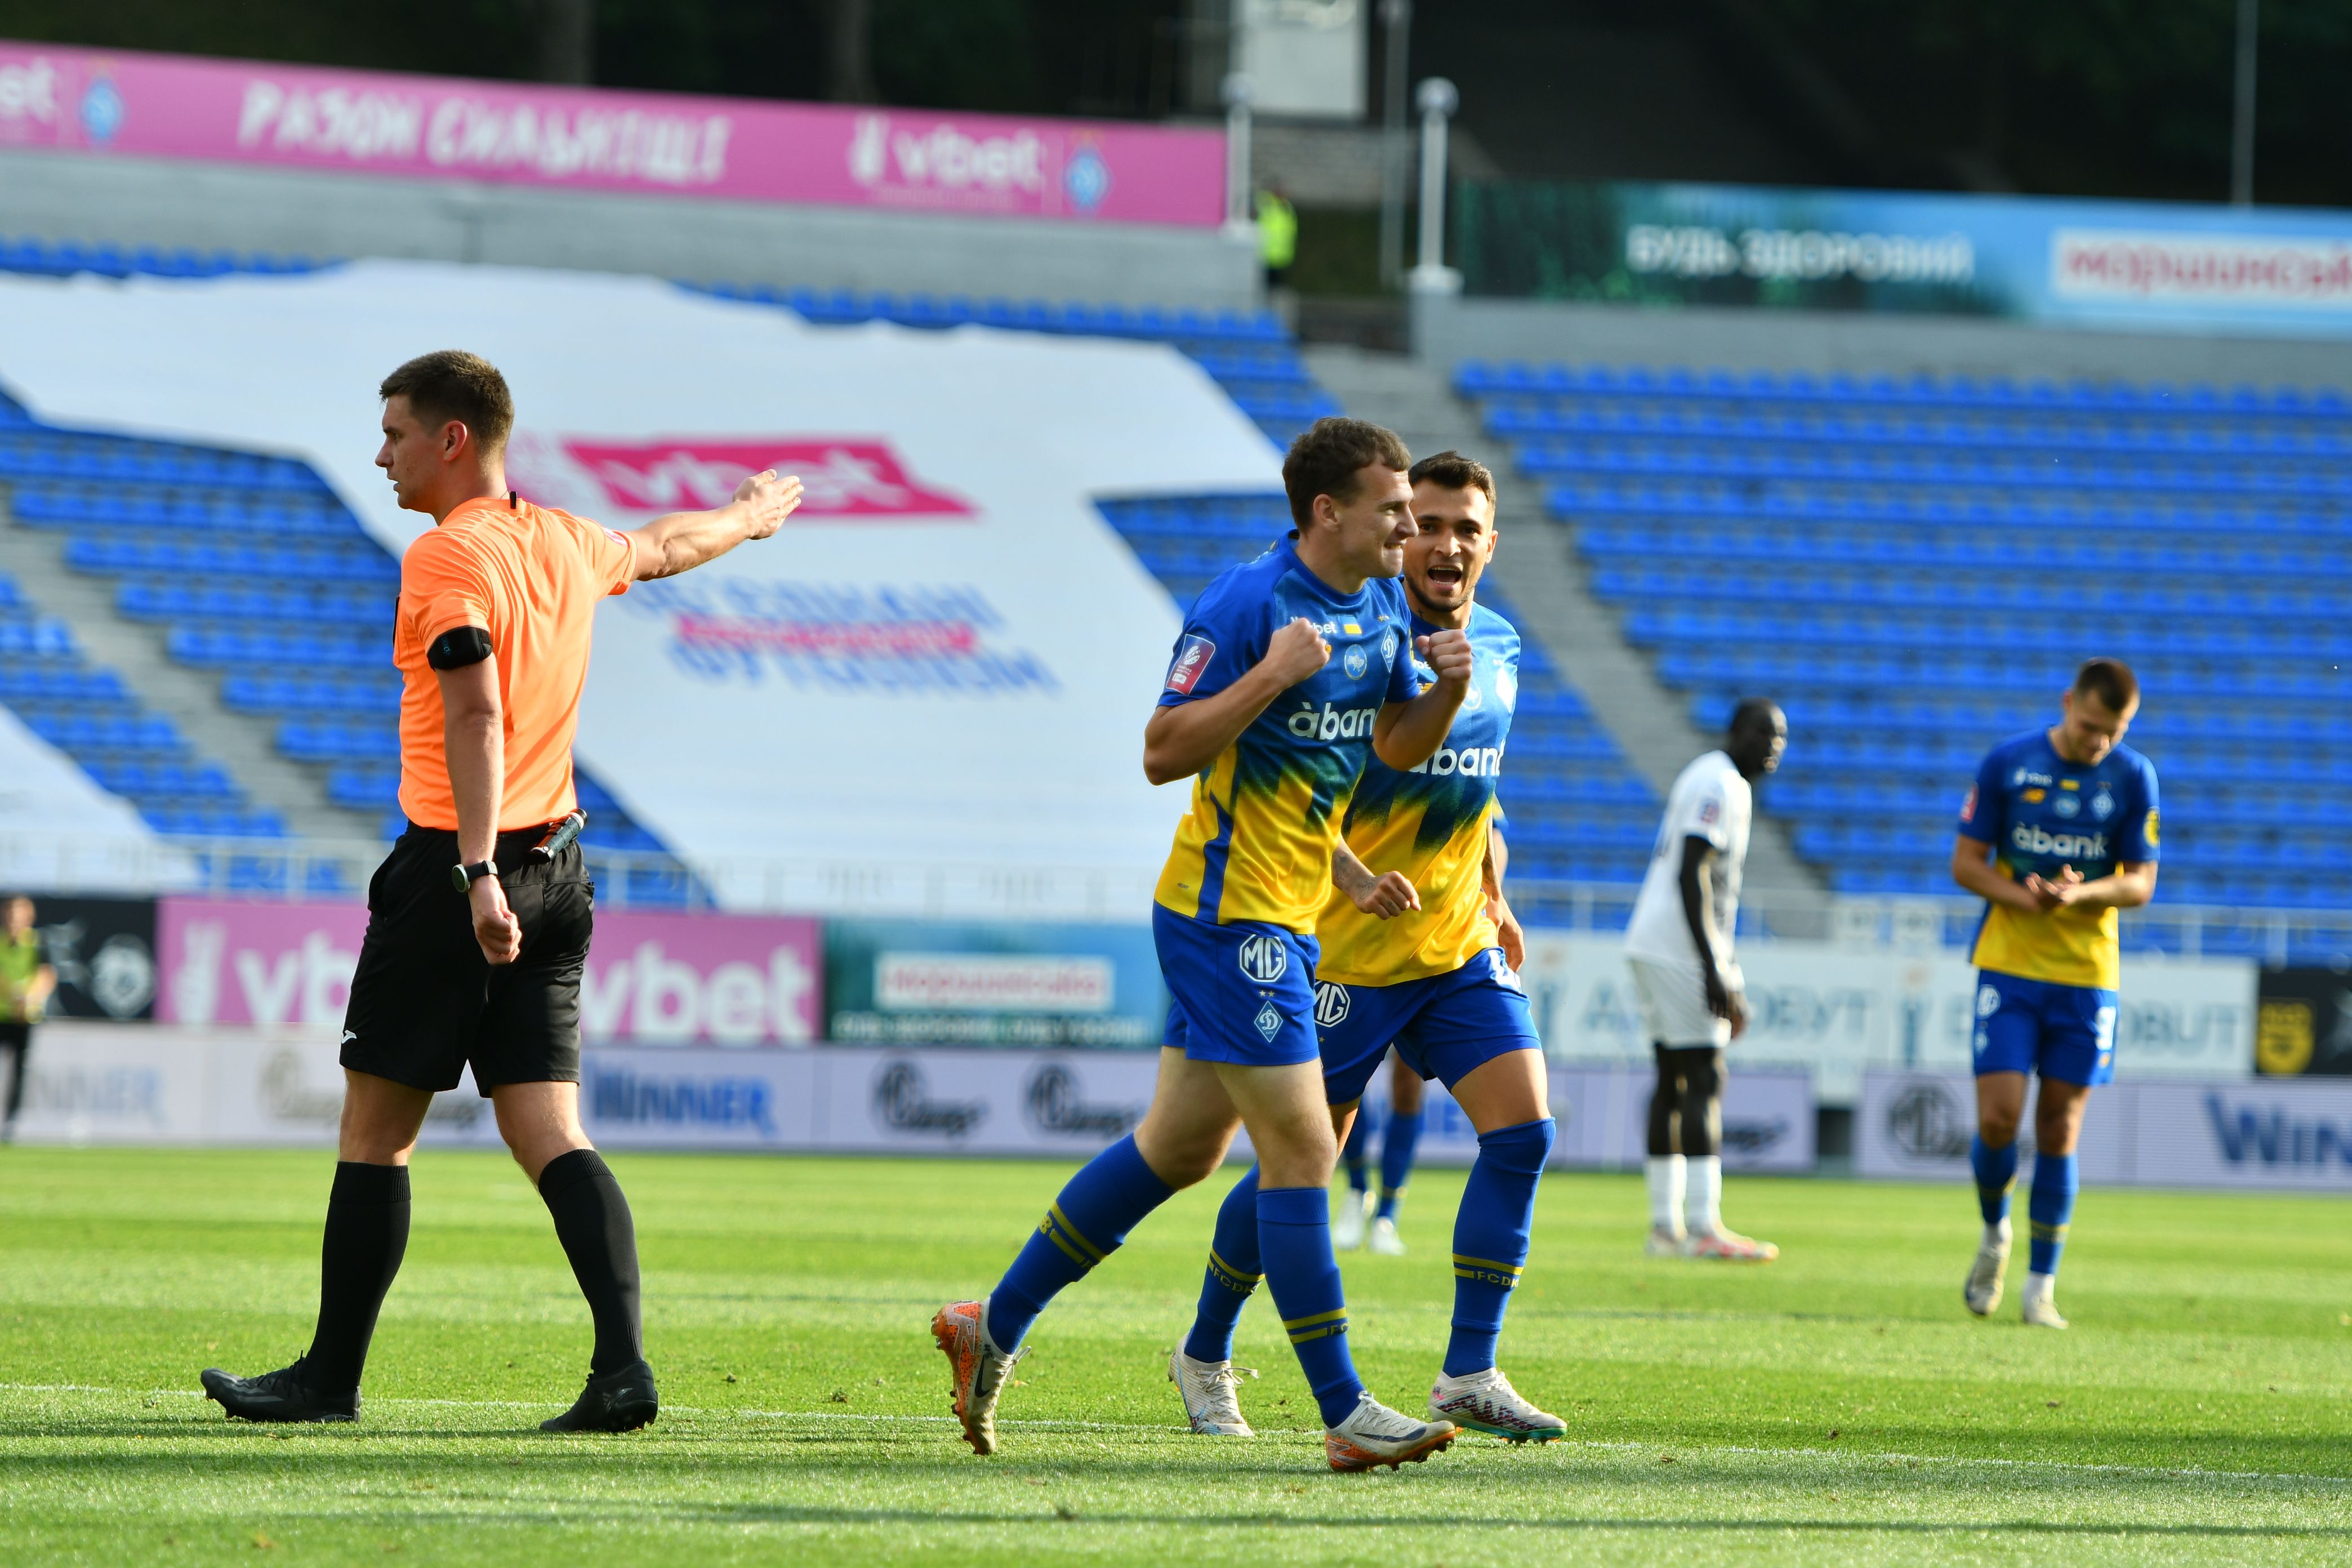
[465, 877]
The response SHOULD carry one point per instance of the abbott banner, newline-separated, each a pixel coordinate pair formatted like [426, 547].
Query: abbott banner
[651, 979]
[2241, 1133]
[1836, 1013]
[943, 662]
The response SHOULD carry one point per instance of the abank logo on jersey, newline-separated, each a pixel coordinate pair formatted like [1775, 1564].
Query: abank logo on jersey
[1470, 762]
[1329, 723]
[1264, 959]
[2036, 840]
[1332, 1002]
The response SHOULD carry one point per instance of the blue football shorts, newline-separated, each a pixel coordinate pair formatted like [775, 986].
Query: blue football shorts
[1243, 992]
[2065, 1032]
[1442, 1026]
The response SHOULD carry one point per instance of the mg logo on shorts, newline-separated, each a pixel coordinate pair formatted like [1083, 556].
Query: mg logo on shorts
[1331, 1004]
[1264, 958]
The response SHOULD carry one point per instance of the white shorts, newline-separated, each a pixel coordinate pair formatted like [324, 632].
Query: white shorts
[1673, 1004]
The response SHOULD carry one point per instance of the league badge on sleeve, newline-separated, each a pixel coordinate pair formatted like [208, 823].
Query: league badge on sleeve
[1192, 655]
[1968, 807]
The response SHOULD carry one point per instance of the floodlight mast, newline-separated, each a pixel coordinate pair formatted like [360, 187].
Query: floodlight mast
[1396, 17]
[1437, 101]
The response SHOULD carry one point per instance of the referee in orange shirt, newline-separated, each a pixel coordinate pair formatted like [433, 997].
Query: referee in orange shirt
[478, 920]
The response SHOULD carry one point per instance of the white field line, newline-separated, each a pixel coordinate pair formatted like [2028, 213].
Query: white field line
[1856, 1456]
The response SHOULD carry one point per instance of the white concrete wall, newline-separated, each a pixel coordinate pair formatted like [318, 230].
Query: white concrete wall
[133, 202]
[1448, 331]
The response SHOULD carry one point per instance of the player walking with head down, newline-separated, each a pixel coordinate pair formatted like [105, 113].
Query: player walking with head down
[1290, 671]
[478, 920]
[2058, 833]
[1424, 953]
[1678, 945]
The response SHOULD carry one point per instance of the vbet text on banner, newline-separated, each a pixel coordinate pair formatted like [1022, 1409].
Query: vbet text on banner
[373, 123]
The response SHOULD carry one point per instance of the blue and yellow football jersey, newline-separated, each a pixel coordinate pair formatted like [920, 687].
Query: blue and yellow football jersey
[1431, 823]
[2040, 814]
[1257, 843]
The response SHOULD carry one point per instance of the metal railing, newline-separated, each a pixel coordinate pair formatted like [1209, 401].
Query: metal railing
[314, 870]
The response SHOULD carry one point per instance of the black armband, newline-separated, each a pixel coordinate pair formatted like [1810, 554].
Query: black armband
[458, 648]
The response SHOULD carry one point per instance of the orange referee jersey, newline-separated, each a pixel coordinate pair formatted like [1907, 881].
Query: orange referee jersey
[531, 577]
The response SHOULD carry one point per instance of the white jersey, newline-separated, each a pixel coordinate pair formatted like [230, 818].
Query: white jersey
[1710, 800]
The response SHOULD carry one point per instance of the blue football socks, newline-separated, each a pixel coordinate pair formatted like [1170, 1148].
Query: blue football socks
[1084, 1225]
[1490, 1238]
[1232, 1275]
[1402, 1132]
[1996, 1172]
[2051, 1208]
[1294, 1232]
[1355, 1154]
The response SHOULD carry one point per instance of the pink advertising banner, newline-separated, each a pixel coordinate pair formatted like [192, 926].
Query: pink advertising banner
[260, 114]
[652, 980]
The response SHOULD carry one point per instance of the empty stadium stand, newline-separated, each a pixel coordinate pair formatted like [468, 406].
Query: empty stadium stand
[1577, 811]
[254, 570]
[1914, 566]
[1250, 354]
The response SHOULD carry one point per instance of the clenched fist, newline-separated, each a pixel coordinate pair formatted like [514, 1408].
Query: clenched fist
[1447, 653]
[1296, 652]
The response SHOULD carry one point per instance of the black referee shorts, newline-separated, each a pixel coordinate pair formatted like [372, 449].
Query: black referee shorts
[426, 1002]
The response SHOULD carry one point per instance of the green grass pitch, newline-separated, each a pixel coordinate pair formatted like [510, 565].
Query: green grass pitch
[1837, 1406]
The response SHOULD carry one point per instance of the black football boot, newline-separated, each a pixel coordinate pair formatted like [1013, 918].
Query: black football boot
[619, 1400]
[281, 1396]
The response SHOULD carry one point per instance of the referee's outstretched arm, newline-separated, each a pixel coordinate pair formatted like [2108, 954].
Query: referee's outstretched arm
[685, 539]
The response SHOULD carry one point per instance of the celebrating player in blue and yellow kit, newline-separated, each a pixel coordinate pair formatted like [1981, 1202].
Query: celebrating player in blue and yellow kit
[1292, 671]
[1423, 956]
[2058, 834]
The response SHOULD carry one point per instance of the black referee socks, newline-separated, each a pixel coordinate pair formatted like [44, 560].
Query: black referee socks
[592, 1220]
[367, 1233]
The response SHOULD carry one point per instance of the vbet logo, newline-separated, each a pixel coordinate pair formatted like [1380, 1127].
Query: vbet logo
[841, 477]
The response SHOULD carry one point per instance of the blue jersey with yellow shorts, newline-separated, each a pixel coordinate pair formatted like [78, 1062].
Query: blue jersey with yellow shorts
[2046, 981]
[1234, 917]
[1431, 982]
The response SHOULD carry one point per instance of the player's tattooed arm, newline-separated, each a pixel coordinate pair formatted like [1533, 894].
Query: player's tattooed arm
[1499, 907]
[1699, 911]
[681, 541]
[1387, 895]
[1973, 868]
[1407, 734]
[1185, 737]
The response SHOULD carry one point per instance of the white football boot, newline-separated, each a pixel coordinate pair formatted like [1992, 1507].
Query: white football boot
[2038, 1302]
[1373, 1435]
[1485, 1401]
[1982, 1292]
[1347, 1226]
[1664, 1243]
[1210, 1391]
[1383, 1238]
[977, 1370]
[1728, 1247]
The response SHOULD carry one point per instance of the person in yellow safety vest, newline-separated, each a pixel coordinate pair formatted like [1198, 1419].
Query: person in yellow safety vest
[1277, 229]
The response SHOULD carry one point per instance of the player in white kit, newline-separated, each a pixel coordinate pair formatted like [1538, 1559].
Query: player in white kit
[1679, 946]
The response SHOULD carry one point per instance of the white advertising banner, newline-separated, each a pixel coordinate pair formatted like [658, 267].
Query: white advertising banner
[2257, 1134]
[1603, 1113]
[112, 1083]
[945, 658]
[1837, 1012]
